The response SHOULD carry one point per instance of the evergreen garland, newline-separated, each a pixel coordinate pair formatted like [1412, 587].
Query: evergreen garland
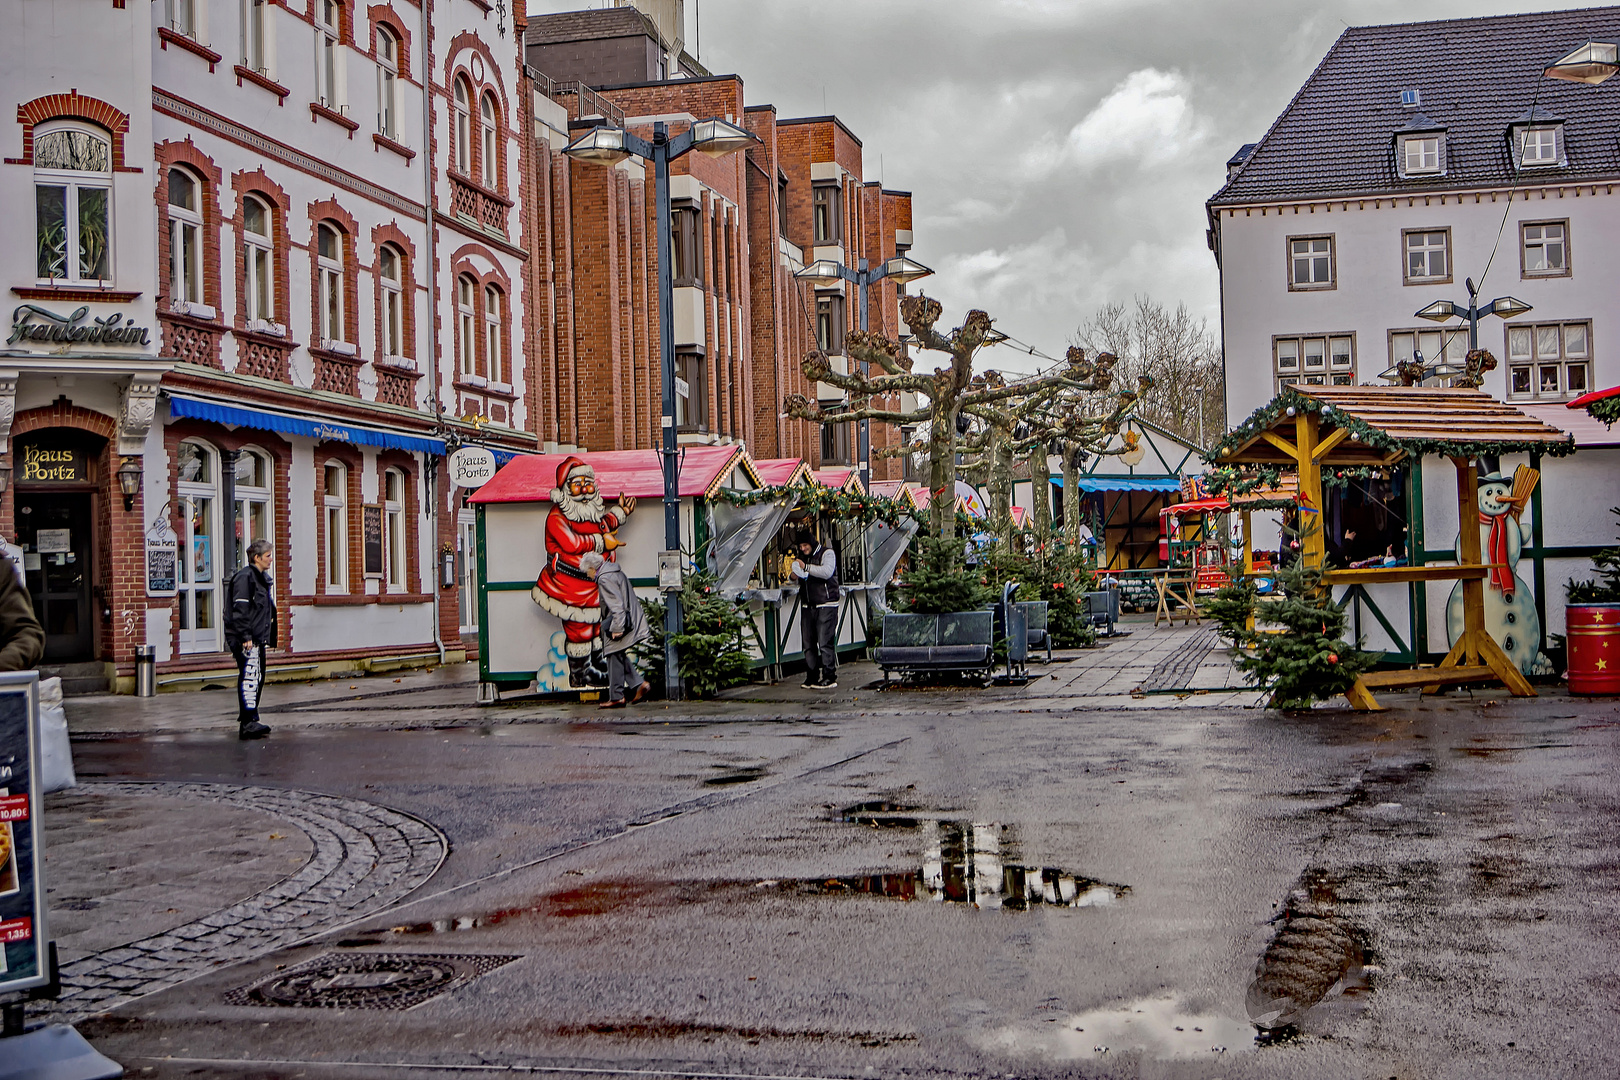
[819, 498]
[1605, 409]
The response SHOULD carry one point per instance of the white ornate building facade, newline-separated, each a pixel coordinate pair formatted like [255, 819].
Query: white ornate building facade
[267, 257]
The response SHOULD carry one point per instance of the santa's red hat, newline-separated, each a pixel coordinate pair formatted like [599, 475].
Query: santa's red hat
[572, 466]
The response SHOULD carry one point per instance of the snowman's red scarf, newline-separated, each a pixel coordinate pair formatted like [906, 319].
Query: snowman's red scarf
[1501, 573]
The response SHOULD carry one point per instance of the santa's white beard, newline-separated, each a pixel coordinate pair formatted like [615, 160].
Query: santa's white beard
[579, 507]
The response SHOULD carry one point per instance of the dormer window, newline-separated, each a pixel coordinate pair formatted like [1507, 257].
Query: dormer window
[1421, 154]
[1541, 147]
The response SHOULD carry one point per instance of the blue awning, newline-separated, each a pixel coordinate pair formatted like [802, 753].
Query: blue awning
[334, 430]
[503, 456]
[1125, 483]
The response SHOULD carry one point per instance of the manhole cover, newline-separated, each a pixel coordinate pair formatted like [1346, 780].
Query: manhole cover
[366, 980]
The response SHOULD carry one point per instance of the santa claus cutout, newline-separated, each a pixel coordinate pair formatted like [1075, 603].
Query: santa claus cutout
[578, 522]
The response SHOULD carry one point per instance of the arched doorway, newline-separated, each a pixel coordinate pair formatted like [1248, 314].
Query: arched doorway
[58, 480]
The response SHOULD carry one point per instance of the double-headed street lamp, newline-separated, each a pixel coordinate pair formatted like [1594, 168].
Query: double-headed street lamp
[607, 145]
[900, 270]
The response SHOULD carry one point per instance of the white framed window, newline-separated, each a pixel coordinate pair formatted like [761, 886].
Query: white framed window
[335, 514]
[387, 83]
[72, 205]
[183, 17]
[197, 490]
[1449, 343]
[329, 266]
[1540, 147]
[1310, 262]
[390, 277]
[467, 324]
[489, 131]
[1428, 255]
[256, 36]
[494, 358]
[1423, 155]
[255, 476]
[185, 237]
[1545, 248]
[258, 263]
[394, 561]
[1314, 360]
[329, 54]
[461, 138]
[1549, 361]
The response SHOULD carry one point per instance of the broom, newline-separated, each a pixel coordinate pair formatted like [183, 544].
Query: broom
[1525, 480]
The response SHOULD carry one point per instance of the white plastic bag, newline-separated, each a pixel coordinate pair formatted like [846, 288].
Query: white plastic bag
[55, 754]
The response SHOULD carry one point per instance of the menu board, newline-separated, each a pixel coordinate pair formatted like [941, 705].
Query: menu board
[371, 534]
[22, 889]
[162, 559]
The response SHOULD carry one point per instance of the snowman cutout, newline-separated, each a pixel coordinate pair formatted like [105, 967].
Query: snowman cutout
[1510, 609]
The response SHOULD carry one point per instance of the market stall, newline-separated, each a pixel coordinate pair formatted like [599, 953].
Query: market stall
[1327, 435]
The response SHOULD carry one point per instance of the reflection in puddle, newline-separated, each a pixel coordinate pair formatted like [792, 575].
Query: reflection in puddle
[1153, 1027]
[963, 864]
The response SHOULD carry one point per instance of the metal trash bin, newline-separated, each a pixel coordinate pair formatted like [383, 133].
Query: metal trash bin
[145, 670]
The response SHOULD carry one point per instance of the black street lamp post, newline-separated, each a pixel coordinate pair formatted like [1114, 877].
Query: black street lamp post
[901, 270]
[606, 145]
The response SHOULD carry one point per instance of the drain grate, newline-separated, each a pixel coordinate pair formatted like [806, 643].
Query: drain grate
[389, 981]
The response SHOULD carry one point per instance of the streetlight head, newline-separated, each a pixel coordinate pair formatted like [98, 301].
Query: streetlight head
[903, 271]
[1439, 311]
[1445, 369]
[717, 138]
[822, 272]
[1507, 307]
[1592, 63]
[599, 146]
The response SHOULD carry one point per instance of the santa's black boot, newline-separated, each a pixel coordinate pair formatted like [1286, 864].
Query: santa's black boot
[577, 679]
[596, 667]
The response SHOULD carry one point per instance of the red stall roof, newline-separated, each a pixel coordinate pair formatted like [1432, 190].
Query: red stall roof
[839, 478]
[779, 472]
[618, 472]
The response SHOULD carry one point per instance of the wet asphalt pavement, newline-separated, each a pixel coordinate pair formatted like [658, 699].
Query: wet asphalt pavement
[918, 889]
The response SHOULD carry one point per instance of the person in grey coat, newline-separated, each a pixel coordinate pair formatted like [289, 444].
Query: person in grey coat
[623, 626]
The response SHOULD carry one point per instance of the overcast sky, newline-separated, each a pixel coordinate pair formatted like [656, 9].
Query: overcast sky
[1059, 151]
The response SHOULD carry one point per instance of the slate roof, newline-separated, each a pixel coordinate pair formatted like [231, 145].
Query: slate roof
[1477, 77]
[588, 26]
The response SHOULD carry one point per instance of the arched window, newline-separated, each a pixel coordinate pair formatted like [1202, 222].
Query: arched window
[258, 262]
[197, 489]
[329, 265]
[72, 189]
[467, 323]
[462, 138]
[394, 561]
[387, 82]
[335, 517]
[490, 130]
[254, 474]
[391, 280]
[185, 237]
[494, 359]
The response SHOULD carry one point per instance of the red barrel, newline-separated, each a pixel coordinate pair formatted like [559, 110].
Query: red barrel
[1593, 632]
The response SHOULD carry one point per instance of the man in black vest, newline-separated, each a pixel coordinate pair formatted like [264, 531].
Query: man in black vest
[250, 630]
[817, 571]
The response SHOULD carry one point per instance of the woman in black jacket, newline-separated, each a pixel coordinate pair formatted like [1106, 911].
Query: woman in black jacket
[250, 629]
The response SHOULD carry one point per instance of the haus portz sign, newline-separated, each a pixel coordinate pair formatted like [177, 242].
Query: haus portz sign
[32, 323]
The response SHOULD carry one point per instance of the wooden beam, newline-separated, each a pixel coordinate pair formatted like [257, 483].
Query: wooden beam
[1281, 443]
[1379, 575]
[1361, 698]
[1429, 676]
[1314, 540]
[1503, 666]
[1329, 443]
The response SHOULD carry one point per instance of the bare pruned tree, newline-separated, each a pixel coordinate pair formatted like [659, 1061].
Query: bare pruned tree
[1177, 352]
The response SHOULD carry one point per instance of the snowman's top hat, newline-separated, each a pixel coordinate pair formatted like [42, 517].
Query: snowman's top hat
[1490, 470]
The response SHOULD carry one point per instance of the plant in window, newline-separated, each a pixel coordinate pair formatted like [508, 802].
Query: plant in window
[73, 178]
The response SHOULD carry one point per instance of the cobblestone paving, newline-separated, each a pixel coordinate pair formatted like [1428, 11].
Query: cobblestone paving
[366, 857]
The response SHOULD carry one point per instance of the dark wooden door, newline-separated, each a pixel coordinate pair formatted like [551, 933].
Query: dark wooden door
[54, 531]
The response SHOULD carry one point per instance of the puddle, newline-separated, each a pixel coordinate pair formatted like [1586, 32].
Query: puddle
[1153, 1027]
[882, 815]
[1316, 954]
[738, 776]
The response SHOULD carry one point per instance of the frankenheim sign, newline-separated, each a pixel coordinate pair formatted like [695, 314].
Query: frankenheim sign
[32, 323]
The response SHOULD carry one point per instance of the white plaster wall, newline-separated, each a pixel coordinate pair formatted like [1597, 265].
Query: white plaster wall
[320, 629]
[1371, 298]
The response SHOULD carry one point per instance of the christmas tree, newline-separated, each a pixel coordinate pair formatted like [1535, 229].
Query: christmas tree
[1309, 660]
[711, 648]
[938, 583]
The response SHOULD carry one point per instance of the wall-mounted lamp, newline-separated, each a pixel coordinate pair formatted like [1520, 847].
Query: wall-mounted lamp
[129, 481]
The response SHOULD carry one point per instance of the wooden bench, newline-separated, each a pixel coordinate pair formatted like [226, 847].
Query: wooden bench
[959, 642]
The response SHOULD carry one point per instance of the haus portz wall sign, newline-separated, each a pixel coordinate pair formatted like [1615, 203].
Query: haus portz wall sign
[52, 465]
[32, 323]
